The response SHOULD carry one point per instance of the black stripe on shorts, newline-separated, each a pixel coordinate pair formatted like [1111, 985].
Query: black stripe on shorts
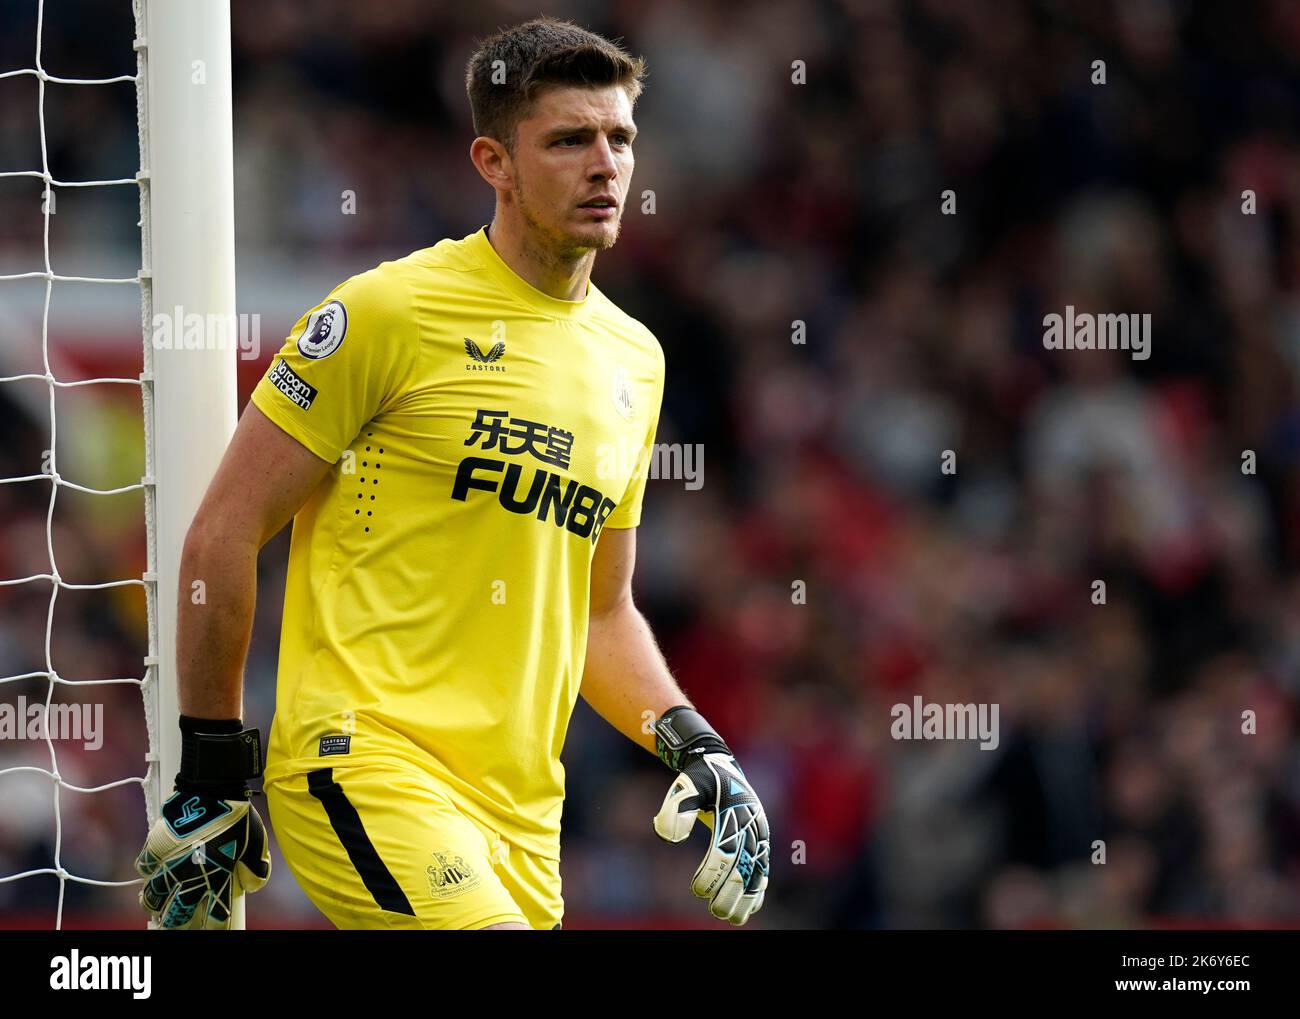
[346, 823]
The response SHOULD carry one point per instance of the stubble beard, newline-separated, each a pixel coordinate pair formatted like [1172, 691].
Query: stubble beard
[554, 243]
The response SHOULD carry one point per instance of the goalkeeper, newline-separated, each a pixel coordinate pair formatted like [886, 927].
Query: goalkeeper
[448, 433]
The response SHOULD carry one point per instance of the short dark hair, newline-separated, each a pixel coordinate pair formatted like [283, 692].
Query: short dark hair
[537, 54]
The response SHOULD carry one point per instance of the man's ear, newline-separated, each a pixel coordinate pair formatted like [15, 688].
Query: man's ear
[493, 163]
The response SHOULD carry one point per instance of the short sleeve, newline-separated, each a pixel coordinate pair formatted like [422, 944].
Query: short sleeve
[345, 361]
[628, 511]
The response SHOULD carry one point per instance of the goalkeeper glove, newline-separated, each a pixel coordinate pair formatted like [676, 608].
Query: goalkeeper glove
[711, 786]
[209, 845]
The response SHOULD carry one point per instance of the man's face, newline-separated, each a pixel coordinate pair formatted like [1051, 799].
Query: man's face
[573, 150]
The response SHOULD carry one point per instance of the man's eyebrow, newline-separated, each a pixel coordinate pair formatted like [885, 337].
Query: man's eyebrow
[564, 132]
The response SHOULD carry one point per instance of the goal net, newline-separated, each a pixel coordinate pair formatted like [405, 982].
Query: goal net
[187, 403]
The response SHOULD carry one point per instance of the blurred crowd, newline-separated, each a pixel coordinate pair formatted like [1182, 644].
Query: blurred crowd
[910, 497]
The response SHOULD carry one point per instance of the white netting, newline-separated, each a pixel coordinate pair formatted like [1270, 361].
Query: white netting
[56, 482]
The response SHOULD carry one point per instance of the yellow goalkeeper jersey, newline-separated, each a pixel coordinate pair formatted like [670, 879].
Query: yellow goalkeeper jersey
[483, 434]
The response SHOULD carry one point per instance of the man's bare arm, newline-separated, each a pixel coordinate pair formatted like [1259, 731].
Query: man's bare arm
[264, 478]
[626, 680]
[628, 683]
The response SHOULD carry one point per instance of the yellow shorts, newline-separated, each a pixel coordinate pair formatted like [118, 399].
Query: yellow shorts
[382, 846]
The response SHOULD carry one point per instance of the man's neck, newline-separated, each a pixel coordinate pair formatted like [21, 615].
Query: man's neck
[554, 275]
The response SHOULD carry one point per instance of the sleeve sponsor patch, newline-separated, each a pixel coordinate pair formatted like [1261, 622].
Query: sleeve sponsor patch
[290, 384]
[334, 745]
[324, 331]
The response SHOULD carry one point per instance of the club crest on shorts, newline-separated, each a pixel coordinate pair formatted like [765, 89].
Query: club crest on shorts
[326, 327]
[449, 875]
[622, 393]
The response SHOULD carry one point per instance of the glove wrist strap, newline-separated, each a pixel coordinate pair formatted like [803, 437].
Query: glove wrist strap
[218, 756]
[681, 733]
